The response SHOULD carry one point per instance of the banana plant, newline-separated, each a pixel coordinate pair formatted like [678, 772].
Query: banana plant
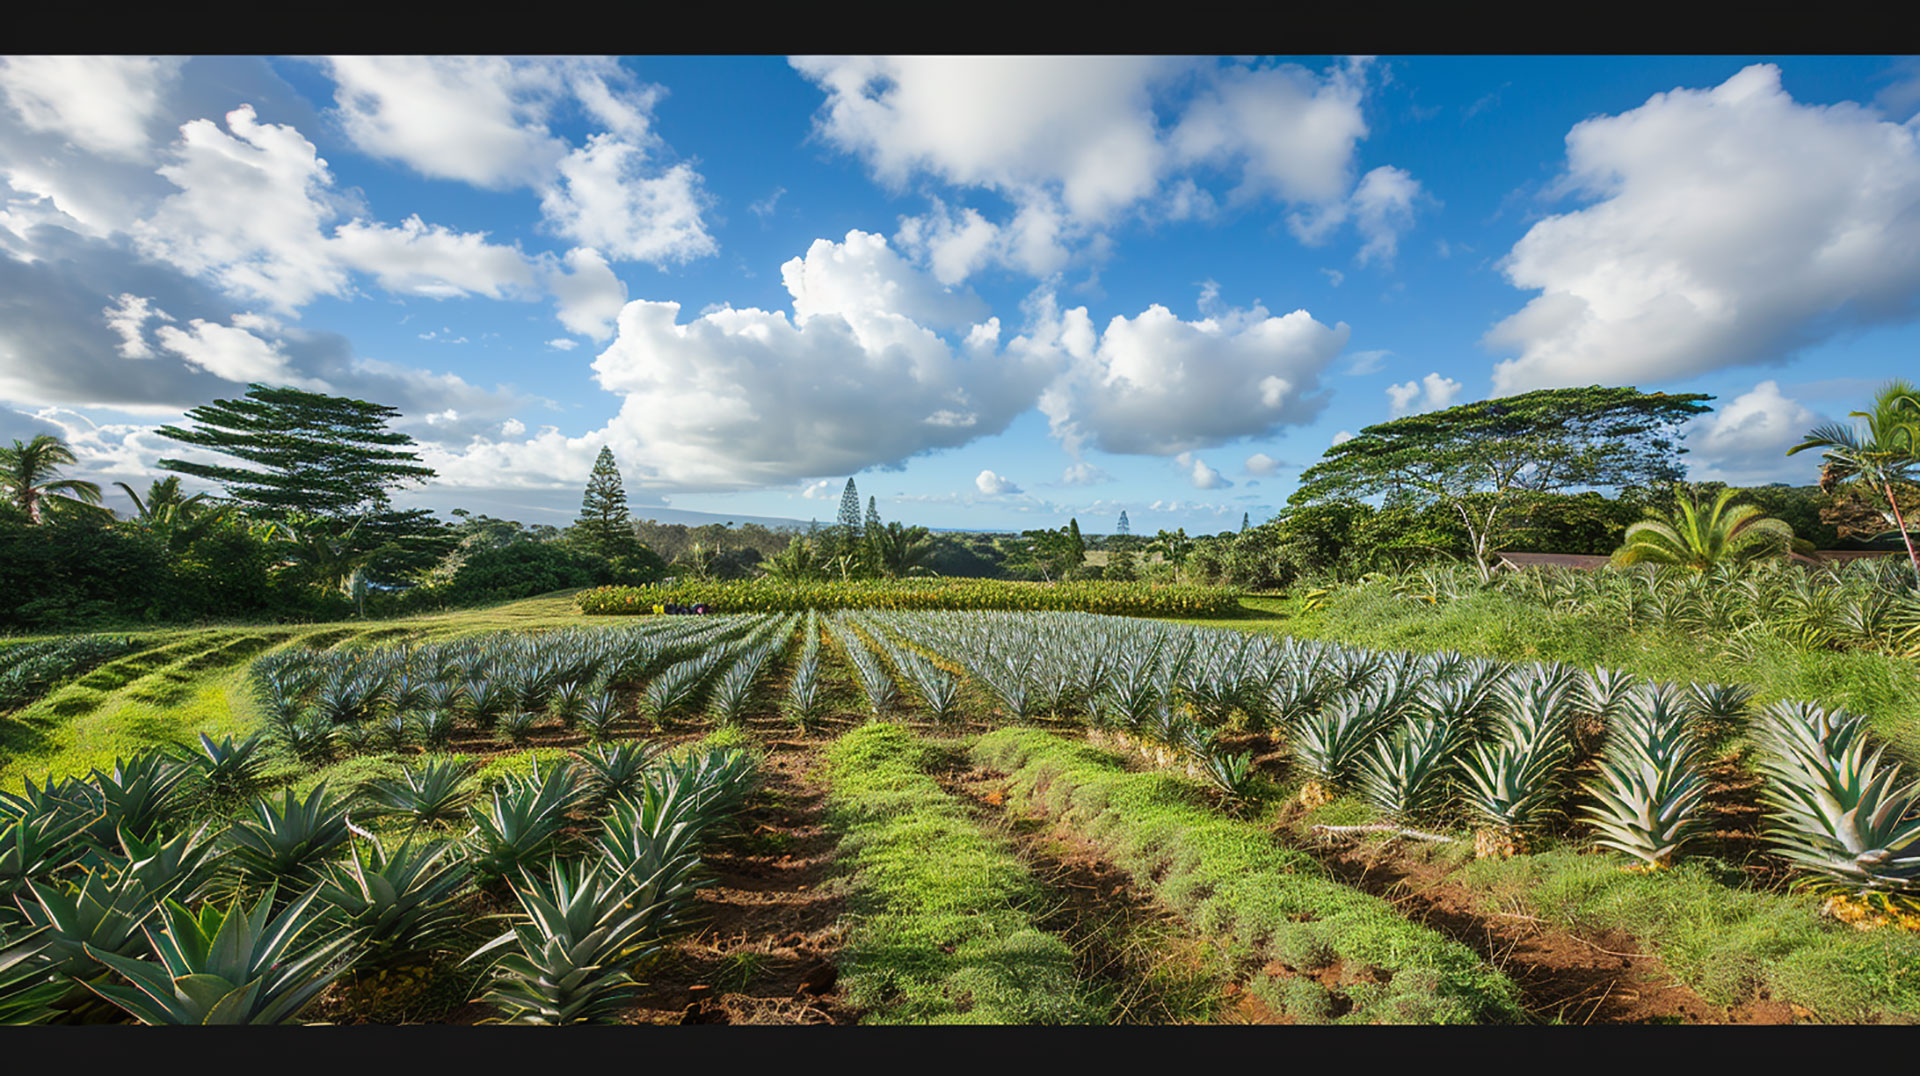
[229, 966]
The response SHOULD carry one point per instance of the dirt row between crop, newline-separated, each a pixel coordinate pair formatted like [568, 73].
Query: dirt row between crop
[767, 939]
[1563, 976]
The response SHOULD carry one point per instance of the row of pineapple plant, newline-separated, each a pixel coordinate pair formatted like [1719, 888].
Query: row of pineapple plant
[319, 702]
[1417, 735]
[117, 901]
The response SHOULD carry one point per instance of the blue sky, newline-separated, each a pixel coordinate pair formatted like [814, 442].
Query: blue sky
[997, 292]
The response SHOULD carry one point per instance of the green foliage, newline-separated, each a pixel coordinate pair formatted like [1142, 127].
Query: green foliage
[580, 933]
[1229, 877]
[1487, 461]
[780, 596]
[943, 916]
[229, 967]
[28, 479]
[1699, 538]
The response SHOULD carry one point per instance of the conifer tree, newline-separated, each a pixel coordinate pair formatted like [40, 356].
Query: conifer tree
[604, 525]
[850, 514]
[1079, 544]
[1243, 522]
[1123, 527]
[874, 532]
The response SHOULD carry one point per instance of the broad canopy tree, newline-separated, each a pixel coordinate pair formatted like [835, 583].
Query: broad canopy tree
[326, 464]
[1488, 462]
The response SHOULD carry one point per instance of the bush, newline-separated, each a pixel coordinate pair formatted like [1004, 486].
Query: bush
[774, 596]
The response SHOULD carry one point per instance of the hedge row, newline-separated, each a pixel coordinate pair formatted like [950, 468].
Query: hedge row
[773, 596]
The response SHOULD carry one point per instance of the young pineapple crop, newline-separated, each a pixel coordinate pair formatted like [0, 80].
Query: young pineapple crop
[1648, 799]
[1840, 810]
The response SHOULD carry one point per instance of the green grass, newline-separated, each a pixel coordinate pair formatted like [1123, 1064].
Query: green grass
[941, 915]
[1229, 877]
[1727, 944]
[192, 680]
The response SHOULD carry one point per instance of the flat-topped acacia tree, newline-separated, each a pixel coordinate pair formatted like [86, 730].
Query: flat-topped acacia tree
[1488, 461]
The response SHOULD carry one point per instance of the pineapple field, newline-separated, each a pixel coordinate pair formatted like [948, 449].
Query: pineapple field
[830, 814]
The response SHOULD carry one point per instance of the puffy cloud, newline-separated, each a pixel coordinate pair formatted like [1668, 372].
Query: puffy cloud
[1158, 385]
[1746, 441]
[251, 214]
[823, 490]
[994, 485]
[1073, 142]
[1201, 475]
[862, 278]
[561, 343]
[1081, 125]
[1082, 473]
[1343, 437]
[485, 121]
[1262, 464]
[104, 104]
[477, 119]
[1440, 393]
[588, 292]
[128, 317]
[1383, 208]
[737, 398]
[607, 196]
[231, 353]
[1730, 226]
[1291, 133]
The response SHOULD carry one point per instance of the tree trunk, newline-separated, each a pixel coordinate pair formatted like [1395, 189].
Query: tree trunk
[1901, 522]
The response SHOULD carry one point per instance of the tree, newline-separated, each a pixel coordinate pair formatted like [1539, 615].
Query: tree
[1881, 456]
[1079, 543]
[872, 528]
[849, 520]
[327, 464]
[797, 563]
[27, 477]
[899, 550]
[1697, 538]
[178, 521]
[1245, 522]
[1485, 463]
[603, 525]
[328, 456]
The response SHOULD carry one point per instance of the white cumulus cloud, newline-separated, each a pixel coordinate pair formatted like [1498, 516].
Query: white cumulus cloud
[1262, 464]
[1431, 393]
[1158, 385]
[994, 485]
[1201, 475]
[1729, 226]
[1746, 441]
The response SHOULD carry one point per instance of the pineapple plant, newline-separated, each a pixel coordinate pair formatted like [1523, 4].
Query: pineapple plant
[1649, 793]
[1510, 788]
[1408, 775]
[1842, 812]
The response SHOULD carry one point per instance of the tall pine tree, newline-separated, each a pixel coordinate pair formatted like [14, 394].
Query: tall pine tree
[1123, 527]
[1243, 522]
[604, 525]
[874, 532]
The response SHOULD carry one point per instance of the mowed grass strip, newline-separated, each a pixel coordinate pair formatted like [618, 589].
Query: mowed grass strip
[940, 913]
[1230, 878]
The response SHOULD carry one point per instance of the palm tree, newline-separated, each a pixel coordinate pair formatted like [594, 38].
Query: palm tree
[27, 477]
[1697, 538]
[1882, 455]
[901, 551]
[179, 521]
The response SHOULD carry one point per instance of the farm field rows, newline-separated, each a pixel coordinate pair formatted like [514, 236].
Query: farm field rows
[898, 817]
